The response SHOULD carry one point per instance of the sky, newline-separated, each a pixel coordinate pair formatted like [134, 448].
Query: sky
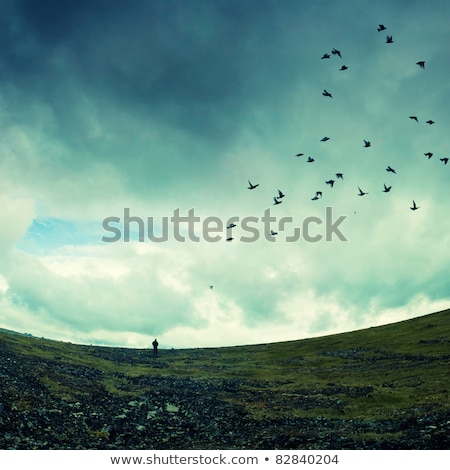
[131, 131]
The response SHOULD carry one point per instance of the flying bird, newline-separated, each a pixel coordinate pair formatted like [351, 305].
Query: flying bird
[229, 239]
[326, 93]
[421, 64]
[280, 194]
[211, 287]
[430, 122]
[361, 193]
[386, 189]
[330, 182]
[300, 154]
[414, 117]
[276, 201]
[389, 40]
[428, 154]
[310, 160]
[381, 27]
[367, 143]
[252, 186]
[391, 170]
[340, 176]
[445, 160]
[315, 198]
[324, 139]
[231, 226]
[344, 67]
[325, 56]
[319, 193]
[273, 233]
[414, 206]
[336, 52]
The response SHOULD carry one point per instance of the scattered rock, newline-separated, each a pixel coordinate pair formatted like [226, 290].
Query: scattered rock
[166, 412]
[172, 408]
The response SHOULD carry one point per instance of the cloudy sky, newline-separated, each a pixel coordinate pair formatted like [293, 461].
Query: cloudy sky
[113, 112]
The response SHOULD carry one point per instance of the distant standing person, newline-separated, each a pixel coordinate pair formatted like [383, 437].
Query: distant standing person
[155, 348]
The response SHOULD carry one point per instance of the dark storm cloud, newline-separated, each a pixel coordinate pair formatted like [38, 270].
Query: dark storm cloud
[196, 65]
[52, 21]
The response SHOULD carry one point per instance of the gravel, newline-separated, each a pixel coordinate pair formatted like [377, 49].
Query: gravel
[165, 412]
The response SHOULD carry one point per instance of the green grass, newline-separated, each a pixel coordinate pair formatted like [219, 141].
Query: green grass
[371, 373]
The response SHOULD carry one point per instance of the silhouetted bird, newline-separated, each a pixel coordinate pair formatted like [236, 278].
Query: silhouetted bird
[336, 52]
[315, 198]
[421, 64]
[231, 226]
[386, 189]
[326, 93]
[330, 182]
[229, 239]
[389, 40]
[325, 56]
[428, 154]
[344, 67]
[211, 287]
[273, 233]
[391, 170]
[280, 195]
[445, 160]
[340, 176]
[276, 201]
[381, 27]
[324, 139]
[319, 193]
[300, 154]
[252, 186]
[367, 143]
[414, 206]
[430, 122]
[310, 160]
[414, 117]
[361, 193]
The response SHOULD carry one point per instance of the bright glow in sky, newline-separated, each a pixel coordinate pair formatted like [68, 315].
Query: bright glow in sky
[164, 106]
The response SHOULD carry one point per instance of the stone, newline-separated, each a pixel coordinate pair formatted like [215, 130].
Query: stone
[172, 408]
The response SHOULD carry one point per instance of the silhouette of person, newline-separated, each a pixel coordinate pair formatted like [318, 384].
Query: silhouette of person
[155, 348]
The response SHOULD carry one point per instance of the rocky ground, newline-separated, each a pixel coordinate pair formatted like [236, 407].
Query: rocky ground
[165, 412]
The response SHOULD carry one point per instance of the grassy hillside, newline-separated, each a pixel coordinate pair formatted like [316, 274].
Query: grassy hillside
[393, 372]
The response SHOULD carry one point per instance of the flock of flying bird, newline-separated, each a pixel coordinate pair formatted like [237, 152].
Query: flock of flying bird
[278, 199]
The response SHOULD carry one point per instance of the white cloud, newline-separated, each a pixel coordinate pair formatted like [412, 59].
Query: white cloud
[16, 215]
